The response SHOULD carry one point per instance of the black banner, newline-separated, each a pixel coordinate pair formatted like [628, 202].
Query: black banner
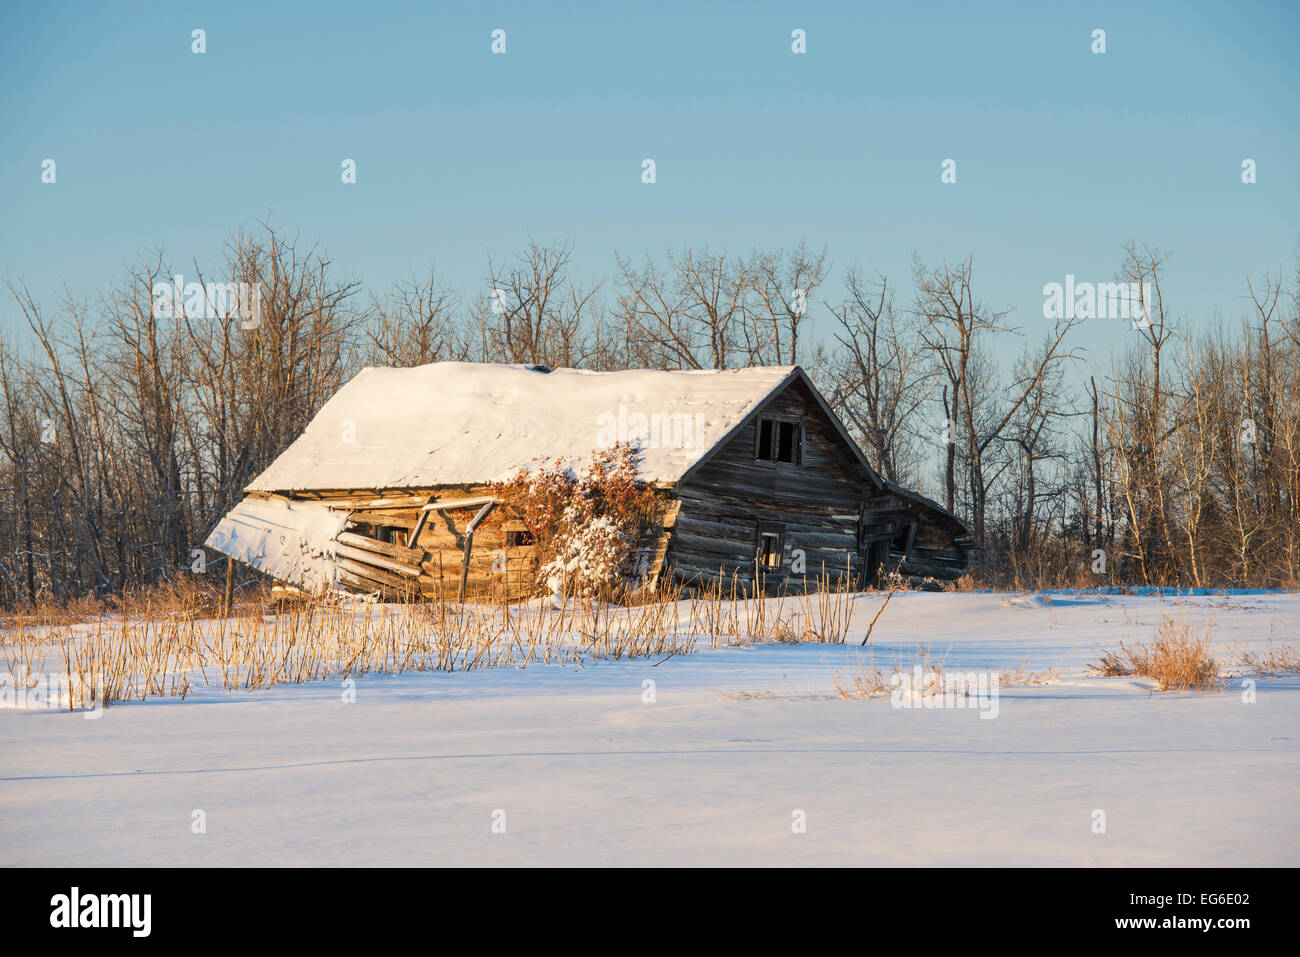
[299, 906]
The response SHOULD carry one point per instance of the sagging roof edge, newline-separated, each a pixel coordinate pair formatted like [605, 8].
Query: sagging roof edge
[929, 503]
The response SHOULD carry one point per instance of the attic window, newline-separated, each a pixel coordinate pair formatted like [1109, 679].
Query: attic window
[780, 440]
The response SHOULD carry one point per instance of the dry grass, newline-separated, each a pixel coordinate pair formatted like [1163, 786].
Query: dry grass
[168, 650]
[1177, 659]
[737, 694]
[727, 614]
[1275, 660]
[188, 593]
[863, 683]
[870, 681]
[1023, 676]
[966, 583]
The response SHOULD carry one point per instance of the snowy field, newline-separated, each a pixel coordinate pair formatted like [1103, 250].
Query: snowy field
[576, 766]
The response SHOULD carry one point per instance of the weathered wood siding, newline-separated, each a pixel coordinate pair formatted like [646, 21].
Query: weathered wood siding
[919, 541]
[370, 561]
[837, 523]
[815, 503]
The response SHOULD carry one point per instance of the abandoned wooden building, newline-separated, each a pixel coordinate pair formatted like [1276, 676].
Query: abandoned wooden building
[388, 491]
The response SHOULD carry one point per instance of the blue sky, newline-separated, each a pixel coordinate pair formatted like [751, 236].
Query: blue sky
[1062, 155]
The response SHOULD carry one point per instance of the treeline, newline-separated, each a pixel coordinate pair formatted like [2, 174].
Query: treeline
[1174, 460]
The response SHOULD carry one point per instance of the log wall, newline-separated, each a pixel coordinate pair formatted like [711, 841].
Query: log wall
[373, 555]
[836, 522]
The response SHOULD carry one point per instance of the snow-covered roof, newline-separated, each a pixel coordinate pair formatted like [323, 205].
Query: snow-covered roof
[464, 423]
[291, 541]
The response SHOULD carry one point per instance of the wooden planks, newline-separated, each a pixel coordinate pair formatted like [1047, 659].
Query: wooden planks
[405, 556]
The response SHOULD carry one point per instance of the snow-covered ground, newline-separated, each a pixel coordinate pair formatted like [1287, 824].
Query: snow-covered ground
[577, 766]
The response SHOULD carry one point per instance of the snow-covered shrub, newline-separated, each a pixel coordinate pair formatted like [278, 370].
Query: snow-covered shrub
[586, 519]
[588, 557]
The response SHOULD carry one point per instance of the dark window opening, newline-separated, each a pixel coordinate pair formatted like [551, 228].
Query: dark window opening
[390, 534]
[768, 552]
[902, 541]
[785, 447]
[779, 440]
[517, 538]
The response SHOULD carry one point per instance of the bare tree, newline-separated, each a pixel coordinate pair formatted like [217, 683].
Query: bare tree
[416, 322]
[535, 312]
[956, 327]
[783, 285]
[690, 318]
[878, 380]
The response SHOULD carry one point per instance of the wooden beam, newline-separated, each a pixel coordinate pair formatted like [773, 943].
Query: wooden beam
[388, 579]
[419, 527]
[469, 545]
[379, 561]
[407, 556]
[459, 503]
[348, 504]
[911, 540]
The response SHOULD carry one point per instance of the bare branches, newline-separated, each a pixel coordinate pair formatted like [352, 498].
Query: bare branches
[536, 313]
[416, 322]
[126, 432]
[707, 310]
[879, 382]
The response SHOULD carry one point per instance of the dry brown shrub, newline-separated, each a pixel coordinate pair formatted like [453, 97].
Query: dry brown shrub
[1177, 658]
